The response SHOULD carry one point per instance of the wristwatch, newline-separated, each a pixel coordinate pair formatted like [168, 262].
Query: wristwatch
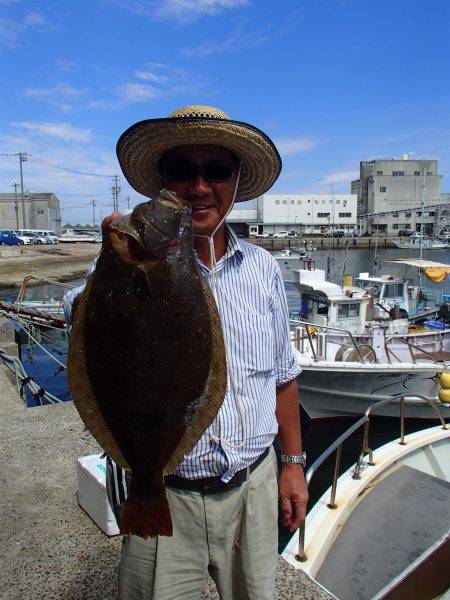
[294, 458]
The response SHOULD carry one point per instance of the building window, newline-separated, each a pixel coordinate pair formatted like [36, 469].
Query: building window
[284, 201]
[419, 213]
[292, 201]
[382, 188]
[277, 202]
[379, 172]
[395, 214]
[431, 214]
[344, 203]
[345, 215]
[338, 201]
[398, 173]
[416, 173]
[316, 202]
[408, 226]
[395, 226]
[323, 215]
[309, 200]
[40, 212]
[430, 173]
[381, 214]
[299, 201]
[407, 215]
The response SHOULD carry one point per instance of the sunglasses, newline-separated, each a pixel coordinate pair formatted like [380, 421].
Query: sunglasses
[186, 171]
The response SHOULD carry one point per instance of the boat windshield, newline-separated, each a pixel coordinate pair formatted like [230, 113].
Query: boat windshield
[348, 310]
[370, 285]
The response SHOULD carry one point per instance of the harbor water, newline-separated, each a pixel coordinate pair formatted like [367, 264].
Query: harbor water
[317, 436]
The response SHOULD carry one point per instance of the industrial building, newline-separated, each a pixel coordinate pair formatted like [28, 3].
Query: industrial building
[297, 214]
[37, 210]
[391, 194]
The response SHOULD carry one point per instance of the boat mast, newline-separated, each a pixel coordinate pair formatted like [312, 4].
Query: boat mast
[424, 188]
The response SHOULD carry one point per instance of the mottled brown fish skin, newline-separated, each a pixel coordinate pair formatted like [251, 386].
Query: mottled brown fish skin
[148, 350]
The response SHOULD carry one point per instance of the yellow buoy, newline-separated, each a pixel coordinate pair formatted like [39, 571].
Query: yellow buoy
[348, 281]
[444, 395]
[444, 380]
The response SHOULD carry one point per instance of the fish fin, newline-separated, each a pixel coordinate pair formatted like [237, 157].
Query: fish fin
[80, 388]
[146, 516]
[215, 388]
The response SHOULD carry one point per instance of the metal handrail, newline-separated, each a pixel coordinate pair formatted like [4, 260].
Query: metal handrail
[316, 326]
[337, 445]
[410, 346]
[23, 287]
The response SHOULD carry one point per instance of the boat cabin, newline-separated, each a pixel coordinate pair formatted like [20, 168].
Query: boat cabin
[329, 304]
[387, 292]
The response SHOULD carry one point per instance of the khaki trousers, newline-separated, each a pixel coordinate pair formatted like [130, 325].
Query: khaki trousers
[231, 535]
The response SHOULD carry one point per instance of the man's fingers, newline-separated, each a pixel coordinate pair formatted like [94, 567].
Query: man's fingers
[299, 514]
[286, 507]
[109, 219]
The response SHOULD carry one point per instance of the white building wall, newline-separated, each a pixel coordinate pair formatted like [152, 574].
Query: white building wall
[308, 213]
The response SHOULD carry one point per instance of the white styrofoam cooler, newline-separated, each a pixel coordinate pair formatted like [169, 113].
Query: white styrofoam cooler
[92, 497]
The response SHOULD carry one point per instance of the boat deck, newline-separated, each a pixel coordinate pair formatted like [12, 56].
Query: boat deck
[412, 512]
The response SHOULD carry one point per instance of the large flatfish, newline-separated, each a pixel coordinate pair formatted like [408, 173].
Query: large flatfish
[147, 363]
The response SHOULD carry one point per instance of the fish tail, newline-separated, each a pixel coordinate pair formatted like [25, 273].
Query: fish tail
[146, 515]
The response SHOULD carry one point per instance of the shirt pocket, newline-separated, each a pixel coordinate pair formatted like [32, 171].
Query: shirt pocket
[258, 341]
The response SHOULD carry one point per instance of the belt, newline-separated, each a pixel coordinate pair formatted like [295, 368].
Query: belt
[213, 485]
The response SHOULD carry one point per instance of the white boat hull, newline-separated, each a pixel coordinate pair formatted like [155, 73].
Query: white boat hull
[329, 389]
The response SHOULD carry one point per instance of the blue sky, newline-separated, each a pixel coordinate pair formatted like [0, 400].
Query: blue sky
[333, 82]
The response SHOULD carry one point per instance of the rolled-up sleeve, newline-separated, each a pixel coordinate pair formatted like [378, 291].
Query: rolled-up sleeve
[71, 295]
[286, 365]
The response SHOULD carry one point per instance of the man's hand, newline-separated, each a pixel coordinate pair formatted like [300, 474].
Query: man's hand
[107, 222]
[293, 495]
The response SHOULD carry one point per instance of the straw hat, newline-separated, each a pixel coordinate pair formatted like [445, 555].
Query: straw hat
[141, 147]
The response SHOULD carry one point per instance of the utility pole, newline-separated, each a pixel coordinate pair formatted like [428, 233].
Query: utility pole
[115, 192]
[16, 203]
[23, 156]
[93, 212]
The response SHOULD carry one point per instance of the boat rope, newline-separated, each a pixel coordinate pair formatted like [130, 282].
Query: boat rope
[28, 330]
[24, 380]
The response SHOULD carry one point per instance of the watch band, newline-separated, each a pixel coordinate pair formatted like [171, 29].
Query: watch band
[299, 459]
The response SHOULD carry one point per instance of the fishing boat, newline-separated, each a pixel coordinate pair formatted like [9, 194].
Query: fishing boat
[350, 359]
[381, 531]
[290, 259]
[417, 242]
[71, 236]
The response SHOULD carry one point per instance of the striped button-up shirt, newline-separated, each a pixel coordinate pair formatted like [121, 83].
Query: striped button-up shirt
[250, 296]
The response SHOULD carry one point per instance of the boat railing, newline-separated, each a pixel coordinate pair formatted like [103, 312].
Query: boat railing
[411, 347]
[311, 328]
[337, 445]
[23, 288]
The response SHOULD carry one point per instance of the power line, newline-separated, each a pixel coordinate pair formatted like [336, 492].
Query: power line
[57, 166]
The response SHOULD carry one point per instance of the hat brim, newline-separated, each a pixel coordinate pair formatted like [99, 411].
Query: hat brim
[141, 147]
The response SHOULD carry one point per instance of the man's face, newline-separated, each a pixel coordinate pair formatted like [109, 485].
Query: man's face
[210, 200]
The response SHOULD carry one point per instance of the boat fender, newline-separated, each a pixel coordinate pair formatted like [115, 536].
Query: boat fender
[444, 392]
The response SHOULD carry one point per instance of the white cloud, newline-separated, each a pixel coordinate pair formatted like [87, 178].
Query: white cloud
[290, 146]
[138, 92]
[340, 177]
[65, 65]
[149, 76]
[183, 10]
[60, 95]
[59, 131]
[38, 21]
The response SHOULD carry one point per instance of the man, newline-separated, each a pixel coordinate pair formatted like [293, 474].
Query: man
[224, 496]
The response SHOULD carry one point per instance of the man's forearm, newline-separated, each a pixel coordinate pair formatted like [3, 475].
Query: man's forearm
[288, 417]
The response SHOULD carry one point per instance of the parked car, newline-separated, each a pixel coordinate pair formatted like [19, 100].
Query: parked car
[7, 238]
[281, 234]
[24, 239]
[405, 233]
[263, 235]
[338, 233]
[40, 239]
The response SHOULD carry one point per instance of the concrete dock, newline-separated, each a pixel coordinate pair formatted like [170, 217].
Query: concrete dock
[50, 548]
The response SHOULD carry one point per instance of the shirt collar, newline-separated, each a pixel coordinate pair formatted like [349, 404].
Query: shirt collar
[234, 247]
